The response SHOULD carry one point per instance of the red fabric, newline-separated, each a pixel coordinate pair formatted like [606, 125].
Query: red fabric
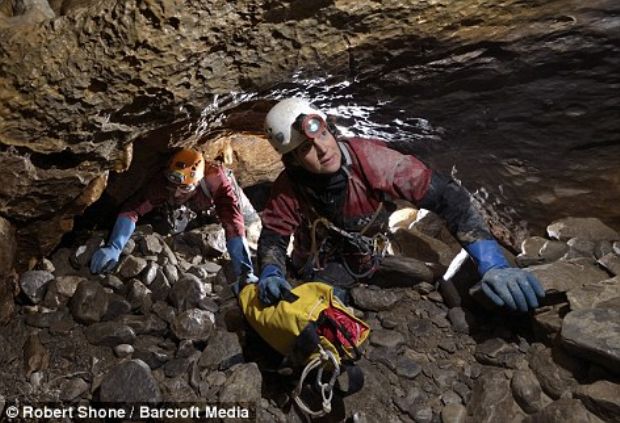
[376, 170]
[353, 328]
[223, 197]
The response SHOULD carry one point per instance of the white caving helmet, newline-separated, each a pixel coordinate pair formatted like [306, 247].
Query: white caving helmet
[279, 123]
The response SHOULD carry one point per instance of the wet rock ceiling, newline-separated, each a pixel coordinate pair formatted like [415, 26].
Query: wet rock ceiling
[523, 96]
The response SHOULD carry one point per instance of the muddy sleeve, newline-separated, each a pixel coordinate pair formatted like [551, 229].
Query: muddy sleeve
[280, 219]
[226, 203]
[410, 179]
[451, 201]
[150, 196]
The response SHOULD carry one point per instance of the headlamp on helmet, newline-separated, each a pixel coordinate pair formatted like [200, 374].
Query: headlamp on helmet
[312, 125]
[186, 169]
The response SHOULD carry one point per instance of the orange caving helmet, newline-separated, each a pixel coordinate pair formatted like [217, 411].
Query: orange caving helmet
[187, 167]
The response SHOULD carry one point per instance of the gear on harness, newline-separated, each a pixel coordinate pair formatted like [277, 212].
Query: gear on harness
[172, 219]
[355, 244]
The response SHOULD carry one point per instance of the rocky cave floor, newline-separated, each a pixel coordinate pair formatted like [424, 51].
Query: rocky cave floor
[165, 327]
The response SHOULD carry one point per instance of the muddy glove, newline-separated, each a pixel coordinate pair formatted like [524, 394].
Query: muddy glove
[512, 287]
[515, 288]
[272, 287]
[106, 257]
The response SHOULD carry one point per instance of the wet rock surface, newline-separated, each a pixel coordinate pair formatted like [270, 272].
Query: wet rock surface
[108, 340]
[449, 65]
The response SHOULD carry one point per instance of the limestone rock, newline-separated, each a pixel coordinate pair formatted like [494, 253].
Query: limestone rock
[148, 324]
[611, 262]
[563, 411]
[187, 292]
[89, 303]
[8, 246]
[601, 398]
[150, 245]
[586, 228]
[497, 352]
[531, 246]
[193, 324]
[492, 400]
[553, 250]
[416, 244]
[131, 266]
[36, 356]
[375, 300]
[555, 372]
[527, 391]
[594, 334]
[566, 275]
[592, 295]
[453, 413]
[110, 334]
[154, 352]
[150, 273]
[67, 285]
[386, 338]
[117, 306]
[123, 350]
[73, 388]
[82, 254]
[130, 381]
[222, 351]
[33, 284]
[243, 385]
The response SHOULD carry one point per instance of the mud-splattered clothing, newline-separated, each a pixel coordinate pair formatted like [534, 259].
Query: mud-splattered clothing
[372, 173]
[221, 195]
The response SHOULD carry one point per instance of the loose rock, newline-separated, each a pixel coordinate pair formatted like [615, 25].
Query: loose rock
[594, 334]
[33, 284]
[131, 381]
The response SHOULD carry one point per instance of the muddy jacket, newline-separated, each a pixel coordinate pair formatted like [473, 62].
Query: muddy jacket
[374, 173]
[220, 194]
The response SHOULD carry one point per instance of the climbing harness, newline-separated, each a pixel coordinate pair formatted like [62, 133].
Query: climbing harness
[374, 247]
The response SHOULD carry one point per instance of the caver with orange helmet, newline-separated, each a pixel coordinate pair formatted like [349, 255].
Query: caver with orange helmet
[186, 169]
[174, 189]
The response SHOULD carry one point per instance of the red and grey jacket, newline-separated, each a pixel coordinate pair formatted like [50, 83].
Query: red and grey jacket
[374, 173]
[220, 193]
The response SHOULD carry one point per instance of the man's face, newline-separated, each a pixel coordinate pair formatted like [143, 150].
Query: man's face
[180, 190]
[320, 155]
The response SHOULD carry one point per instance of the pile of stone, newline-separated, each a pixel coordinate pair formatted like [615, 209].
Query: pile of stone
[164, 326]
[156, 311]
[581, 275]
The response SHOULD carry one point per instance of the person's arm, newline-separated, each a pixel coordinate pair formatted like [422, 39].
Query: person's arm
[280, 219]
[105, 258]
[410, 179]
[512, 287]
[229, 213]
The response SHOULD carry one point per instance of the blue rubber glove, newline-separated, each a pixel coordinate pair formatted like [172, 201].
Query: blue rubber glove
[106, 257]
[240, 255]
[515, 288]
[512, 287]
[272, 287]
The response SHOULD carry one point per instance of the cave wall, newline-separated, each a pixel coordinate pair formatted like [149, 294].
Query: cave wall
[79, 88]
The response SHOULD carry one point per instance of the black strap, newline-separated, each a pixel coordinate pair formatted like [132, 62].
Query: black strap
[288, 296]
[346, 335]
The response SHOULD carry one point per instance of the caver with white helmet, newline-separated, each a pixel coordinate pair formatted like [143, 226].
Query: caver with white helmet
[279, 123]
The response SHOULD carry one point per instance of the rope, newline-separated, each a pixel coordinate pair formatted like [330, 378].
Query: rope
[326, 389]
